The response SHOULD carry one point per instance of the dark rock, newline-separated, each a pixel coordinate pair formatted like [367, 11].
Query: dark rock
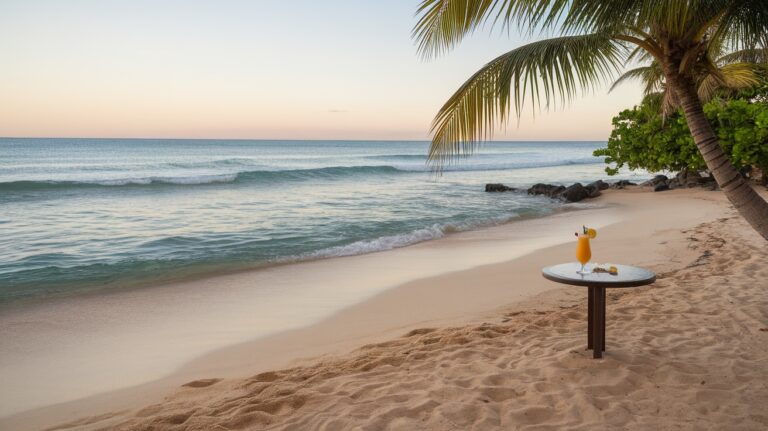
[599, 185]
[707, 181]
[685, 179]
[660, 187]
[703, 181]
[686, 176]
[575, 193]
[592, 191]
[546, 190]
[658, 179]
[498, 188]
[622, 183]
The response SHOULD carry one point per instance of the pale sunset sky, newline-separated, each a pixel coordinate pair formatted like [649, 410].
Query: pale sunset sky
[250, 69]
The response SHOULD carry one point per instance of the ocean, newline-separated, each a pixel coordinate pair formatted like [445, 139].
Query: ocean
[82, 215]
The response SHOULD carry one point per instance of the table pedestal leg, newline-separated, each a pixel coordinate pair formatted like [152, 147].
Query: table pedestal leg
[590, 312]
[598, 320]
[602, 314]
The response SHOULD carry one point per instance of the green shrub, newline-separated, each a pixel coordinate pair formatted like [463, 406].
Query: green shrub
[641, 139]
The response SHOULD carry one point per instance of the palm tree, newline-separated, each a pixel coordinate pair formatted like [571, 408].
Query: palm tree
[594, 40]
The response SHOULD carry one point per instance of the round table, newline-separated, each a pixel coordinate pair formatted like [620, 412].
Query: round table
[597, 282]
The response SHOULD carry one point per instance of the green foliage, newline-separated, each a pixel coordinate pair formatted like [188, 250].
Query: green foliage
[742, 128]
[642, 139]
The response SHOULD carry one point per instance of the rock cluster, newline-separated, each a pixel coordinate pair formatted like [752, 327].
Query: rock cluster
[573, 193]
[622, 184]
[496, 187]
[577, 192]
[684, 179]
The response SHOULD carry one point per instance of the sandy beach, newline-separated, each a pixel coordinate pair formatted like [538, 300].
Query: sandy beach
[496, 346]
[384, 216]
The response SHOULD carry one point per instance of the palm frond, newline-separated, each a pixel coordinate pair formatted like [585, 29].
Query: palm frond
[640, 55]
[669, 102]
[749, 55]
[652, 76]
[443, 23]
[730, 77]
[744, 24]
[542, 71]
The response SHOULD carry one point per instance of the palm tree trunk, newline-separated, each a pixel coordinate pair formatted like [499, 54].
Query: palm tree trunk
[748, 203]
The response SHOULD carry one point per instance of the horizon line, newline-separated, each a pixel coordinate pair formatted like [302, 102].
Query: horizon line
[287, 139]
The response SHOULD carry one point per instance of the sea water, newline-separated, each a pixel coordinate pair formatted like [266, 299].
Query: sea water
[79, 215]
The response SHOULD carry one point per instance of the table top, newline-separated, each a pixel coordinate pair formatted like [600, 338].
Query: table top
[628, 276]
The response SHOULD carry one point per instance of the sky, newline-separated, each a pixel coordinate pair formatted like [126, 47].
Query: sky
[248, 69]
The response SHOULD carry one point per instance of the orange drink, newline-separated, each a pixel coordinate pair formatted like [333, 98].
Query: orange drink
[583, 251]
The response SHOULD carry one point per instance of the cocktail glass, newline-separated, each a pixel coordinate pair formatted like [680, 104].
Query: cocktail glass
[583, 253]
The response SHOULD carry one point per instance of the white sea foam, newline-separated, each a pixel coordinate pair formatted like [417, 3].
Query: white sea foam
[195, 179]
[404, 239]
[378, 244]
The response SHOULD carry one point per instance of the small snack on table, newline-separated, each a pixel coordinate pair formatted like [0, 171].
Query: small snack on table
[610, 270]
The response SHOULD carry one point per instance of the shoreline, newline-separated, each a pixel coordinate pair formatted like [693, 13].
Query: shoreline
[334, 331]
[219, 270]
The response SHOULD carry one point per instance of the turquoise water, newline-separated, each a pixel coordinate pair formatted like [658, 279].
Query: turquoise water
[84, 214]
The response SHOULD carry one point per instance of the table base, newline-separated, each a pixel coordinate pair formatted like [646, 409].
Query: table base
[596, 320]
